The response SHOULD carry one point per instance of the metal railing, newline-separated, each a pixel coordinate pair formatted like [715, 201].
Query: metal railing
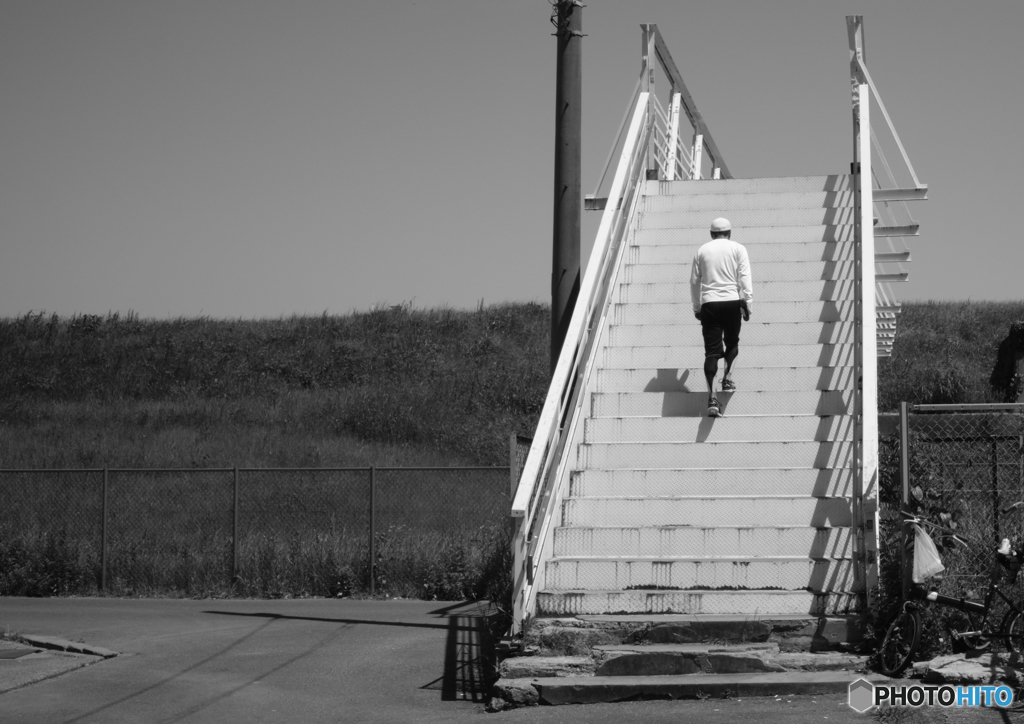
[267, 531]
[891, 221]
[875, 311]
[669, 157]
[538, 497]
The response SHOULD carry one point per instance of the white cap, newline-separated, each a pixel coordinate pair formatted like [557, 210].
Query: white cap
[720, 224]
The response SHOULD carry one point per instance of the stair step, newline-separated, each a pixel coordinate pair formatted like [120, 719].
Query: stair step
[772, 312]
[764, 291]
[794, 355]
[763, 603]
[704, 512]
[765, 379]
[711, 658]
[752, 428]
[795, 482]
[711, 454]
[695, 404]
[713, 205]
[598, 689]
[764, 185]
[790, 574]
[687, 541]
[768, 271]
[752, 334]
[746, 222]
[758, 253]
[749, 237]
[783, 632]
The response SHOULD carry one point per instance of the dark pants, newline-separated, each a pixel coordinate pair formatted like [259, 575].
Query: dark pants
[720, 322]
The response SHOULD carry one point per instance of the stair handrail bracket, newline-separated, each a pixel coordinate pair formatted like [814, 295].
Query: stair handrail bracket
[537, 497]
[892, 219]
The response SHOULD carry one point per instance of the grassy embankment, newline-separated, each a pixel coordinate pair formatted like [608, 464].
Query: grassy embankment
[390, 387]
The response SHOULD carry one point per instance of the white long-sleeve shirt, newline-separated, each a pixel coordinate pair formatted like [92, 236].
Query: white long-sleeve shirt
[720, 272]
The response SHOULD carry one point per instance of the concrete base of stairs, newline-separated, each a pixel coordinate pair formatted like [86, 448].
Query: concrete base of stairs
[594, 689]
[576, 634]
[604, 658]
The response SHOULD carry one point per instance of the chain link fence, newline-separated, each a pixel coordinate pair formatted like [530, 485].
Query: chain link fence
[958, 467]
[424, 532]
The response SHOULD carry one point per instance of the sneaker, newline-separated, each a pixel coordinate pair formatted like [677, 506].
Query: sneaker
[713, 409]
[728, 386]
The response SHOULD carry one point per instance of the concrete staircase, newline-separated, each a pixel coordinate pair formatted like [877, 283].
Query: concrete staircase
[592, 659]
[669, 511]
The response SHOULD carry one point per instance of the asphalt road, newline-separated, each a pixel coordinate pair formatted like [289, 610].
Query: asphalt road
[317, 660]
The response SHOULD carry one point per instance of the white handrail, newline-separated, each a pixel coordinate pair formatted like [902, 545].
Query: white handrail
[885, 114]
[583, 305]
[532, 506]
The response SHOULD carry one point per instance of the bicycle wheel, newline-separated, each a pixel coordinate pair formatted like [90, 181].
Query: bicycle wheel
[1013, 630]
[964, 621]
[900, 642]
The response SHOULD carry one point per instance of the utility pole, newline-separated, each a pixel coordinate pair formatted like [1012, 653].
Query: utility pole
[565, 263]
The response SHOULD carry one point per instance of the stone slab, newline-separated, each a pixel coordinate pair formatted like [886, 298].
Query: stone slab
[986, 668]
[33, 664]
[526, 667]
[75, 647]
[587, 690]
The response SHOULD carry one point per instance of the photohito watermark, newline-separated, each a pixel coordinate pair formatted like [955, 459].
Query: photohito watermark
[864, 695]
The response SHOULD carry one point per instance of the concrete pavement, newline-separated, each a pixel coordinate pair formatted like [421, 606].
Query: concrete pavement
[254, 661]
[319, 660]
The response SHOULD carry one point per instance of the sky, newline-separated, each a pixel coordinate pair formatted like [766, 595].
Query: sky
[263, 158]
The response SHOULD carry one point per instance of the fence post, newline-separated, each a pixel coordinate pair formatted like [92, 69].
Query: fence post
[905, 497]
[103, 535]
[234, 529]
[373, 529]
[995, 485]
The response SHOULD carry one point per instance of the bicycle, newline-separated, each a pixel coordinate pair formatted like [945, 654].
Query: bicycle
[903, 635]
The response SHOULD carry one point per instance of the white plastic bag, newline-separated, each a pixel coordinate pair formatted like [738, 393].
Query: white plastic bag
[926, 558]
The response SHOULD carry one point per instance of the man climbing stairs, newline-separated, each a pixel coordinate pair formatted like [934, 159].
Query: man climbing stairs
[750, 514]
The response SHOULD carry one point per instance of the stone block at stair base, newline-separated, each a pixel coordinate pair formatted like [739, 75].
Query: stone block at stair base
[680, 659]
[959, 669]
[571, 640]
[589, 690]
[822, 661]
[654, 663]
[693, 631]
[528, 667]
[791, 634]
[516, 692]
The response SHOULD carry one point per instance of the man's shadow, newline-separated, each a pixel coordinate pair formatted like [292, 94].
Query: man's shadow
[678, 400]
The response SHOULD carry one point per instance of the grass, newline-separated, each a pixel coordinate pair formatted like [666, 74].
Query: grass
[394, 386]
[944, 353]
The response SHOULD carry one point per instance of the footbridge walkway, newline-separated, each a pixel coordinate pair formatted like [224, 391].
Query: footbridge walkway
[633, 501]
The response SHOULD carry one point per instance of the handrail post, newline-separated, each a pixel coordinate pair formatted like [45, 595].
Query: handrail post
[698, 156]
[647, 86]
[865, 341]
[672, 147]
